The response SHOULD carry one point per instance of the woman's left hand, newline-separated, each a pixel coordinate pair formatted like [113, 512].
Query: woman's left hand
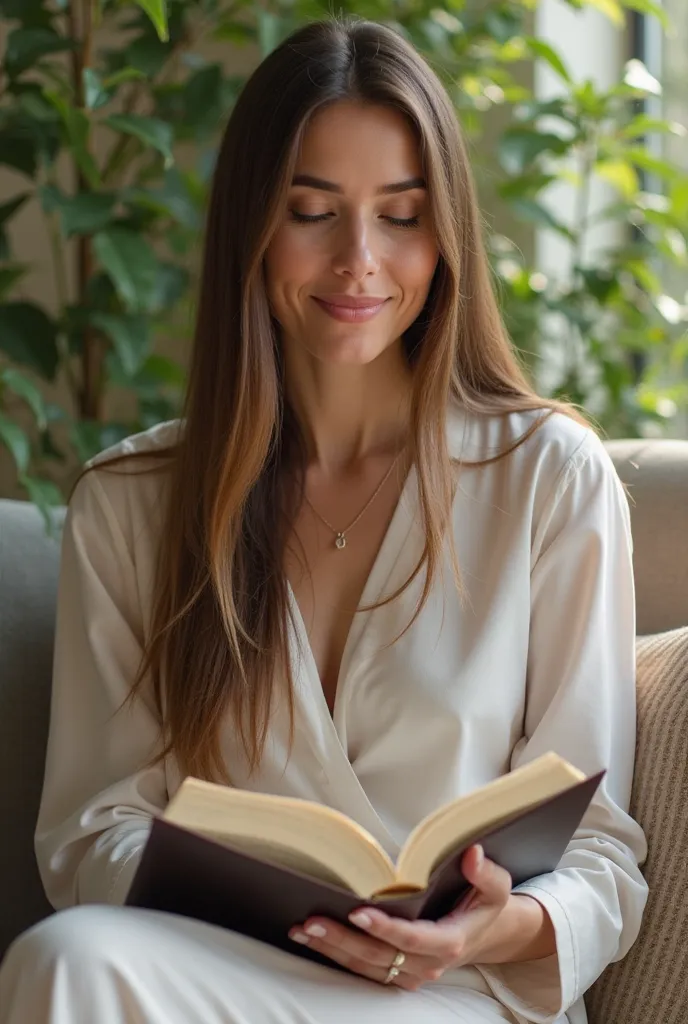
[490, 925]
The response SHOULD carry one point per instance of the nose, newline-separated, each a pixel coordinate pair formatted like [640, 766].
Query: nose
[355, 255]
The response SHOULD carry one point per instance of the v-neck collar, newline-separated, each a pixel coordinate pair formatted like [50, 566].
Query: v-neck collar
[373, 590]
[325, 732]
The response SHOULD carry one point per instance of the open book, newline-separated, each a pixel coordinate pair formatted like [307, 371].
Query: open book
[259, 864]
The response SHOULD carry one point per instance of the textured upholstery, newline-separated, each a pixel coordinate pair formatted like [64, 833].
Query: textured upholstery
[656, 474]
[651, 983]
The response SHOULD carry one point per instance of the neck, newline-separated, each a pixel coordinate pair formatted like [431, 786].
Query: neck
[347, 413]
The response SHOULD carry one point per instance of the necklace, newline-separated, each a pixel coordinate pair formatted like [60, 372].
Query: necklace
[340, 535]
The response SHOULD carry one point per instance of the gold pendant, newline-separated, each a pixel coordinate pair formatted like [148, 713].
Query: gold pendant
[340, 542]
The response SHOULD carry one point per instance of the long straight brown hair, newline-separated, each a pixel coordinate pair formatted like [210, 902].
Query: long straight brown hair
[219, 637]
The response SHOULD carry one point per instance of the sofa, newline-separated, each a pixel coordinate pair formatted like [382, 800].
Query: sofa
[650, 986]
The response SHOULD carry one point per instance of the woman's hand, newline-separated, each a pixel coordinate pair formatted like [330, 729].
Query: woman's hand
[490, 925]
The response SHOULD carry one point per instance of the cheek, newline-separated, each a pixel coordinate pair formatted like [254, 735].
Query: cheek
[289, 261]
[414, 266]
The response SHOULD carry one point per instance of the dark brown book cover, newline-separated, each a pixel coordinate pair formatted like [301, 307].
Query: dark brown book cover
[184, 873]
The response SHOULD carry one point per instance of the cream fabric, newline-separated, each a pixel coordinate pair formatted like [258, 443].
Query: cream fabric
[651, 983]
[540, 656]
[111, 965]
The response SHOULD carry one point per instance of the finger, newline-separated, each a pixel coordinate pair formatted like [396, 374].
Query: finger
[492, 884]
[349, 946]
[449, 938]
[429, 940]
[355, 959]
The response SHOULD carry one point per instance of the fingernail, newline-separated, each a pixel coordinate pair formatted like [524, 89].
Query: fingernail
[299, 937]
[480, 856]
[316, 930]
[360, 918]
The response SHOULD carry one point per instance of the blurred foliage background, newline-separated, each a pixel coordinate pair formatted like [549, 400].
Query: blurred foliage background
[110, 113]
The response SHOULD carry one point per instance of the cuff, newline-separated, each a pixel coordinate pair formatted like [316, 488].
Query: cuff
[105, 876]
[538, 990]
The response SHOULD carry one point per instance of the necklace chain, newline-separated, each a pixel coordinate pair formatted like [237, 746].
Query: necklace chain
[340, 535]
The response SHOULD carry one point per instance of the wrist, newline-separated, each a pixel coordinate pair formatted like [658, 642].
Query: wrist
[523, 931]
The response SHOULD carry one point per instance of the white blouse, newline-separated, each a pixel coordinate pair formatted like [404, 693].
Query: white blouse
[537, 655]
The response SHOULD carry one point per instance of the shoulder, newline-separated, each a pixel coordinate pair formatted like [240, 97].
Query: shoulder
[544, 444]
[154, 442]
[554, 457]
[125, 486]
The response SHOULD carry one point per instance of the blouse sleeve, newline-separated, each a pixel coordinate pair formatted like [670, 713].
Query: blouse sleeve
[98, 796]
[581, 704]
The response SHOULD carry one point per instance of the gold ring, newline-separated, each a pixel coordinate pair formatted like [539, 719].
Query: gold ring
[395, 967]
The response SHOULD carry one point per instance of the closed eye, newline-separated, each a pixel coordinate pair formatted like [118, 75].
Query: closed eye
[403, 222]
[317, 218]
[305, 218]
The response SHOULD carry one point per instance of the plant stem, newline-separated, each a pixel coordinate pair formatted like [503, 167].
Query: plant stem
[120, 151]
[62, 290]
[580, 226]
[90, 393]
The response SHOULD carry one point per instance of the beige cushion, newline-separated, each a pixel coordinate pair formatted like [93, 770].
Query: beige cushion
[650, 985]
[656, 477]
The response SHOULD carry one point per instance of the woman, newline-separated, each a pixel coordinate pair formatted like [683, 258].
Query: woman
[358, 435]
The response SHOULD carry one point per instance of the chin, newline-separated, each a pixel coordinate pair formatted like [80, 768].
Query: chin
[353, 349]
[348, 353]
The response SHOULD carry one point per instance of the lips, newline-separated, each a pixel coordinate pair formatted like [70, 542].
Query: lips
[350, 308]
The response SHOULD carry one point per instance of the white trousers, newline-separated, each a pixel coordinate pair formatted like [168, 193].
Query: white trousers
[116, 965]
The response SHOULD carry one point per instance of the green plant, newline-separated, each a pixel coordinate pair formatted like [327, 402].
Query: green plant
[110, 115]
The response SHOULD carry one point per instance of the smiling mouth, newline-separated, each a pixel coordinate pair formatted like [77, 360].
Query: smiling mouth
[349, 309]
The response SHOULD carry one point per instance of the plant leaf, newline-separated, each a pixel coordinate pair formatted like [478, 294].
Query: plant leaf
[129, 335]
[16, 442]
[156, 11]
[29, 337]
[121, 76]
[9, 208]
[131, 265]
[149, 130]
[621, 175]
[17, 150]
[612, 9]
[26, 389]
[9, 275]
[171, 282]
[78, 128]
[31, 13]
[86, 213]
[269, 27]
[95, 93]
[519, 147]
[46, 496]
[159, 369]
[652, 164]
[650, 7]
[25, 46]
[536, 213]
[643, 125]
[547, 53]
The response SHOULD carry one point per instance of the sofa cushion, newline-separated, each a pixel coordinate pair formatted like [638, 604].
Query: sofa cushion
[651, 983]
[29, 560]
[656, 477]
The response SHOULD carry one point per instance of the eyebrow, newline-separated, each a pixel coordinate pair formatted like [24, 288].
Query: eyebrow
[330, 186]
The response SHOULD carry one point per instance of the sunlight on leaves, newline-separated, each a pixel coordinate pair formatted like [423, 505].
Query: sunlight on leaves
[157, 12]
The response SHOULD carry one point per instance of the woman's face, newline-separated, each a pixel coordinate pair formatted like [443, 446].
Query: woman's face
[350, 266]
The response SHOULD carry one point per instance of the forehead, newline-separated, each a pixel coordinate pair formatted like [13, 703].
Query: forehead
[354, 142]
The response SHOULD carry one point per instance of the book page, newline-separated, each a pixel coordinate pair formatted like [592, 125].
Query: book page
[467, 818]
[314, 838]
